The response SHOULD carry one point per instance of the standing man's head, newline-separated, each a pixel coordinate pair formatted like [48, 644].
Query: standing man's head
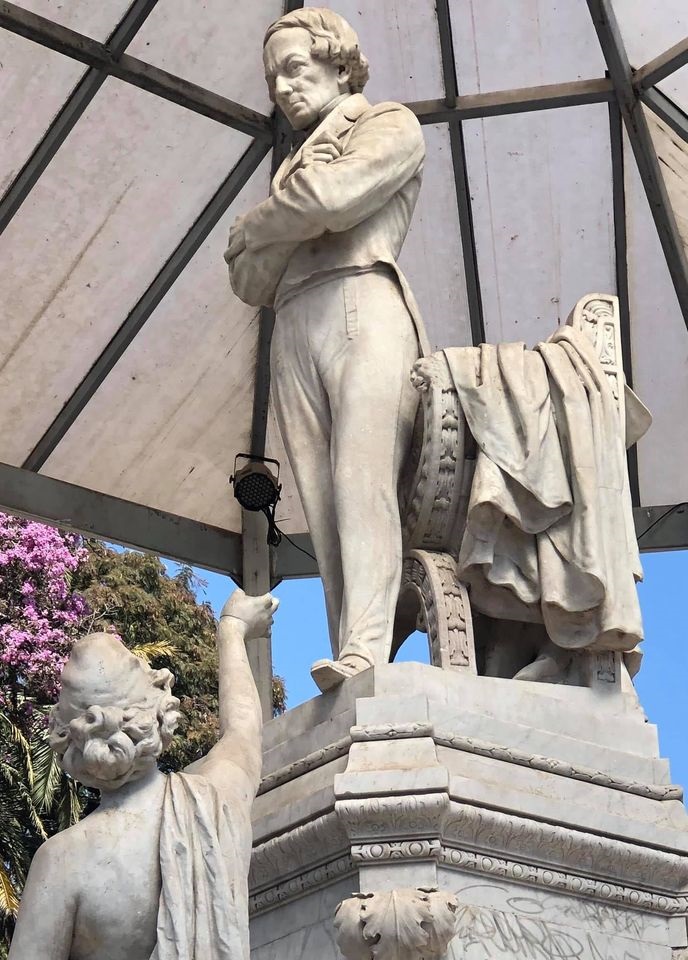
[115, 715]
[311, 56]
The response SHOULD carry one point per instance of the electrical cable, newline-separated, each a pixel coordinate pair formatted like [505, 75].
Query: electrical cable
[661, 517]
[292, 542]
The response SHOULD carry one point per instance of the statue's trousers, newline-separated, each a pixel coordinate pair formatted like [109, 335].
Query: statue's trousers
[341, 356]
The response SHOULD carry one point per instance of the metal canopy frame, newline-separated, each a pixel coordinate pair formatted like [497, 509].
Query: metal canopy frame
[25, 491]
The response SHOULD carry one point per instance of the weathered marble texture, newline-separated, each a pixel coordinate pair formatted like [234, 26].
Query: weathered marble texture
[159, 870]
[396, 925]
[549, 531]
[323, 250]
[544, 810]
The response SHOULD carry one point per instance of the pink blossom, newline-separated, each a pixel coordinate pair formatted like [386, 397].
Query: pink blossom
[40, 615]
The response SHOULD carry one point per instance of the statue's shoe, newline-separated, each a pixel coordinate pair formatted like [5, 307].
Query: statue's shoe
[330, 673]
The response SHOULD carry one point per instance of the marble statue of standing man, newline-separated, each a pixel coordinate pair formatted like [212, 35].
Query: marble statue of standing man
[159, 871]
[322, 250]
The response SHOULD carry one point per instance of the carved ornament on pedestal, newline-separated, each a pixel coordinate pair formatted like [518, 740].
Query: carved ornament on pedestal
[402, 924]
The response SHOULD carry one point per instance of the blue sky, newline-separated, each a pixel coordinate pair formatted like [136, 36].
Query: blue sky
[300, 637]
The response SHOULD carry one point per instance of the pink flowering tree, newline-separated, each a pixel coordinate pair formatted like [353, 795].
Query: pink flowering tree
[40, 618]
[40, 614]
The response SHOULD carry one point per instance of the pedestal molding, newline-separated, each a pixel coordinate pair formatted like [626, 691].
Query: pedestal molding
[493, 832]
[311, 761]
[304, 847]
[300, 884]
[530, 875]
[559, 768]
[483, 748]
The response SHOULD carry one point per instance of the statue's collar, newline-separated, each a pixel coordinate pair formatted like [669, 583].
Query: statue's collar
[348, 105]
[329, 107]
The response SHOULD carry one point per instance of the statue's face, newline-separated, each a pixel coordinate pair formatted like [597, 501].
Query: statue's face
[299, 84]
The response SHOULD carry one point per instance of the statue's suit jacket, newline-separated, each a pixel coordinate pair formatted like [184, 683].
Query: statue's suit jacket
[336, 217]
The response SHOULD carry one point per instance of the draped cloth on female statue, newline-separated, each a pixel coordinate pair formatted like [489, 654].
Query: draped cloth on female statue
[549, 534]
[205, 850]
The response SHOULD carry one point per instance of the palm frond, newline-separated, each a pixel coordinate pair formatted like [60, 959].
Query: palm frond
[47, 774]
[150, 651]
[69, 806]
[9, 899]
[13, 780]
[18, 740]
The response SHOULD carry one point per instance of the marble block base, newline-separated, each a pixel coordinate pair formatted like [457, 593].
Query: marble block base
[544, 809]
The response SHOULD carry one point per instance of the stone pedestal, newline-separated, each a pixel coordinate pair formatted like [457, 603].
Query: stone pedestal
[544, 810]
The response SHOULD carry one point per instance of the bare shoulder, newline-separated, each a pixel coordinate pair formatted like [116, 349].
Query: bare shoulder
[52, 868]
[64, 845]
[231, 778]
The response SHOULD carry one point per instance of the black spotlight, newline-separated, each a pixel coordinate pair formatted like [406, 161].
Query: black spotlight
[257, 488]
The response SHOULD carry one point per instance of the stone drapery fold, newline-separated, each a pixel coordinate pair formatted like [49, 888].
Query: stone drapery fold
[204, 861]
[549, 534]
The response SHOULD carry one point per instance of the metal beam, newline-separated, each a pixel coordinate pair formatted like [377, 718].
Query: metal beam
[662, 528]
[461, 184]
[76, 104]
[147, 304]
[281, 145]
[657, 528]
[667, 111]
[292, 560]
[134, 71]
[662, 66]
[499, 103]
[95, 514]
[631, 108]
[621, 268]
[261, 391]
[257, 555]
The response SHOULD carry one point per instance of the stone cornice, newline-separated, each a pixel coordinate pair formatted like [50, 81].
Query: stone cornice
[433, 827]
[482, 748]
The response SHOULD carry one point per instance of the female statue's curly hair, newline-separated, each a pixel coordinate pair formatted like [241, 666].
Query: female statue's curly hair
[105, 746]
[333, 39]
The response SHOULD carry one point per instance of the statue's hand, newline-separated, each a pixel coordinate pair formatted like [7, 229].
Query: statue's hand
[255, 612]
[323, 149]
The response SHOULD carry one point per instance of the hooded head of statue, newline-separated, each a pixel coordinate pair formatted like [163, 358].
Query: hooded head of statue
[115, 714]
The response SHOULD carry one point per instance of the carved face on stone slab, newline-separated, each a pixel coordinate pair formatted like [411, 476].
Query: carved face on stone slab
[115, 714]
[311, 57]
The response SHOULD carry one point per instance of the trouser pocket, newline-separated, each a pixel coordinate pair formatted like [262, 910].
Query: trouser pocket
[350, 308]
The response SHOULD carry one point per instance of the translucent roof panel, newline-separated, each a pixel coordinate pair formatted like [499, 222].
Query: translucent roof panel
[135, 173]
[433, 248]
[672, 152]
[675, 86]
[164, 427]
[110, 209]
[503, 45]
[34, 83]
[96, 20]
[401, 41]
[659, 352]
[541, 185]
[649, 27]
[212, 44]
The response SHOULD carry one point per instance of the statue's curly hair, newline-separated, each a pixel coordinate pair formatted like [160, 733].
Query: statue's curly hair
[105, 746]
[333, 39]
